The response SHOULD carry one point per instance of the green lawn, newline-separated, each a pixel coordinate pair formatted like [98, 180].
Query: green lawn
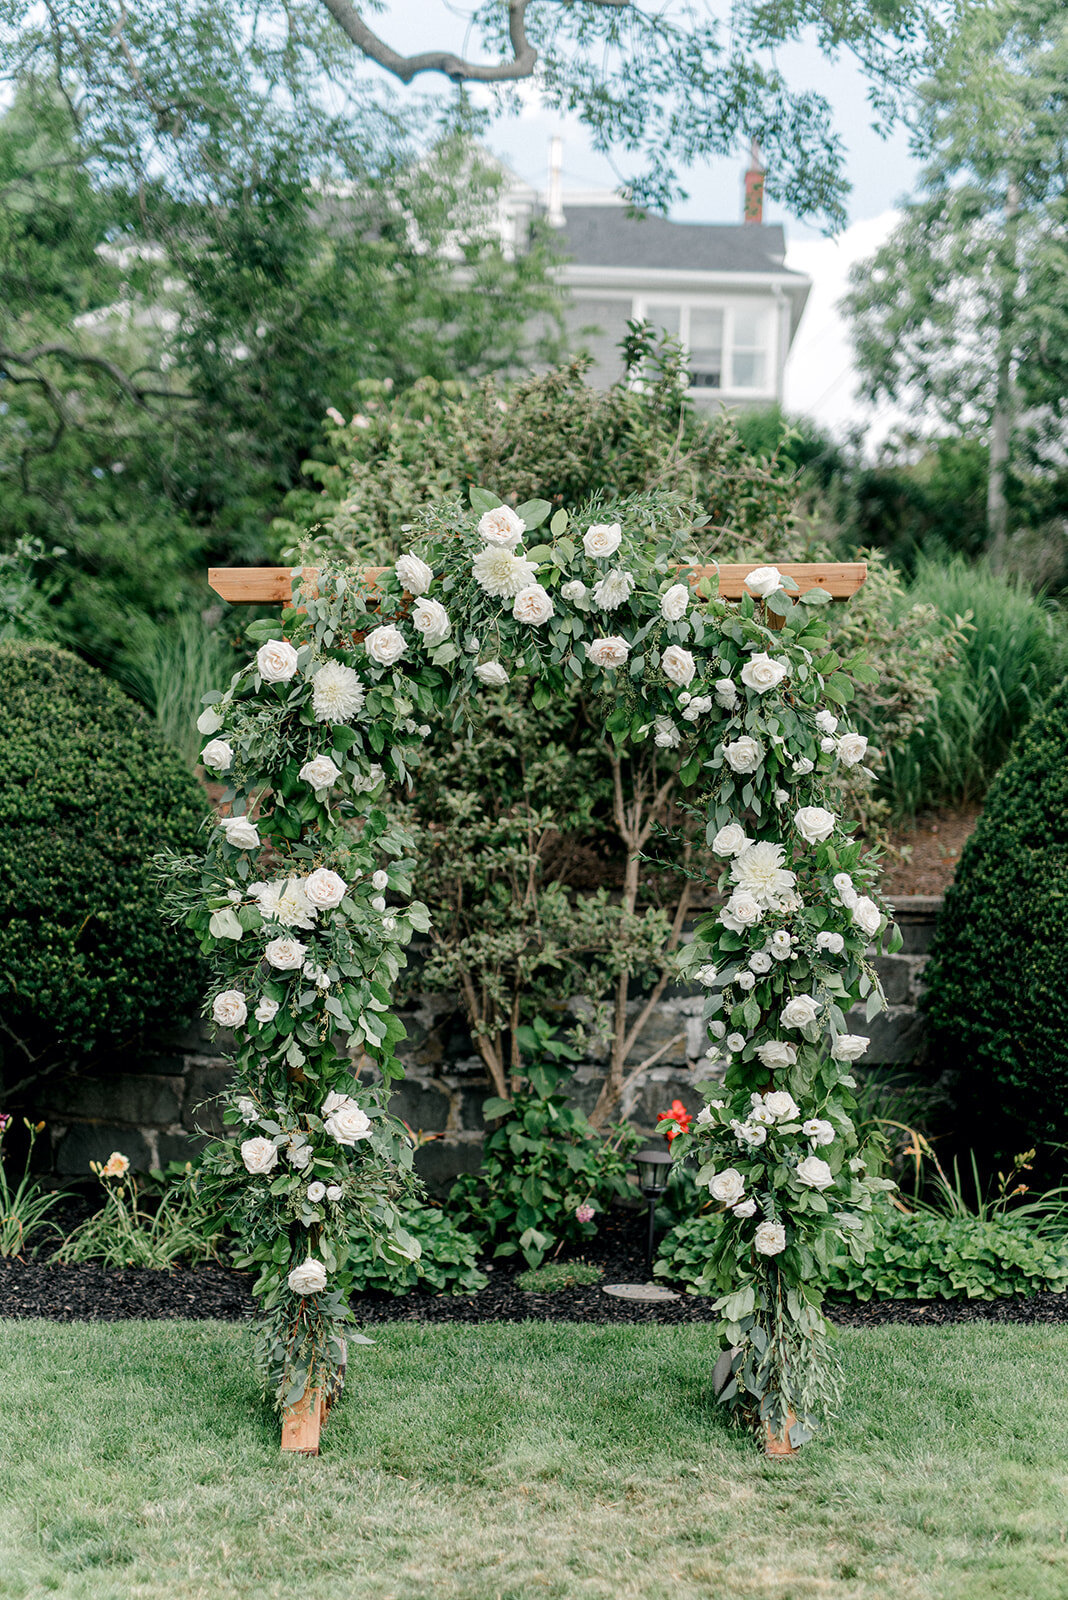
[550, 1460]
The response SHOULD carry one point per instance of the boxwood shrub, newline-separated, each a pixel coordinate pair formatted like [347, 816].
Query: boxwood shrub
[88, 793]
[997, 999]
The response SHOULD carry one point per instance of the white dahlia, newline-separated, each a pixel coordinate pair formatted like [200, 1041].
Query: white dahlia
[499, 572]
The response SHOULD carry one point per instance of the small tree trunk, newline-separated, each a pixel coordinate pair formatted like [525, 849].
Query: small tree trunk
[1001, 422]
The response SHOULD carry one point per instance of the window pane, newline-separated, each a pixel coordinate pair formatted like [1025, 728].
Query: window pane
[706, 348]
[750, 330]
[750, 367]
[664, 316]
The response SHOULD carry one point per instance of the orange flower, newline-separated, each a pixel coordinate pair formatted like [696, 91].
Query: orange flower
[116, 1166]
[679, 1117]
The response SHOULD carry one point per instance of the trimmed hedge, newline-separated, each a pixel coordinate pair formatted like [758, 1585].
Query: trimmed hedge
[88, 793]
[997, 997]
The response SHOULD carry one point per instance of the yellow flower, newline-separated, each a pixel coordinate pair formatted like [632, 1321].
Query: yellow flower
[116, 1166]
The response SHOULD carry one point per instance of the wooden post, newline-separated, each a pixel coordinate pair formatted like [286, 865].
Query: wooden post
[301, 1423]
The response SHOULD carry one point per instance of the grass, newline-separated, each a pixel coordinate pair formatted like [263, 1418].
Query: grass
[556, 1275]
[506, 1462]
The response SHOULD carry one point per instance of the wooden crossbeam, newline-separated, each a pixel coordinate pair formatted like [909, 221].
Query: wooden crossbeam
[242, 585]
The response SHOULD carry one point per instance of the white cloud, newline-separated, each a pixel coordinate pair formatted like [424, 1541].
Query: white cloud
[821, 378]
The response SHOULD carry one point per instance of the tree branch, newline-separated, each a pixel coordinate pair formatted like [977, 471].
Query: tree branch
[524, 56]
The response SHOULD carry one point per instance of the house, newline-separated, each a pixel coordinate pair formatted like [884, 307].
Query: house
[720, 288]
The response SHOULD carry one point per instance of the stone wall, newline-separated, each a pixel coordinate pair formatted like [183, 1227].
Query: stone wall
[154, 1100]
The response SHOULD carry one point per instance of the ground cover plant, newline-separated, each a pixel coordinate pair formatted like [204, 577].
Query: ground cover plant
[341, 680]
[493, 1463]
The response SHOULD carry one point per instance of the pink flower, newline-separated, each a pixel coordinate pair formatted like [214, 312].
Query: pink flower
[584, 1212]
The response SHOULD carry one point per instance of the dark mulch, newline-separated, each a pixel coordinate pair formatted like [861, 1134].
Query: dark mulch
[93, 1293]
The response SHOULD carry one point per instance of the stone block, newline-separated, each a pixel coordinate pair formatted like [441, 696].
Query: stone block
[469, 1101]
[179, 1147]
[896, 1035]
[917, 917]
[895, 975]
[439, 1162]
[423, 1106]
[655, 1094]
[662, 1027]
[94, 1141]
[203, 1087]
[139, 1099]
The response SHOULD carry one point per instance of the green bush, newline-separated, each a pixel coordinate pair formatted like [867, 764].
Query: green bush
[88, 793]
[448, 1263]
[997, 1001]
[914, 1256]
[924, 1256]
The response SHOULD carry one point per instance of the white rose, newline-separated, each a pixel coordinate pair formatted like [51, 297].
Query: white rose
[363, 783]
[819, 1131]
[802, 768]
[770, 1239]
[867, 916]
[673, 604]
[378, 902]
[247, 1109]
[760, 962]
[611, 590]
[705, 1117]
[752, 1134]
[849, 1046]
[430, 619]
[706, 976]
[745, 1208]
[259, 1155]
[843, 884]
[731, 840]
[413, 574]
[735, 1042]
[717, 1029]
[814, 823]
[851, 747]
[501, 573]
[857, 1164]
[334, 1191]
[602, 540]
[532, 605]
[308, 1278]
[826, 722]
[276, 661]
[609, 653]
[574, 589]
[316, 1191]
[229, 1009]
[299, 1152]
[814, 1173]
[828, 746]
[337, 693]
[763, 581]
[267, 1010]
[776, 1053]
[727, 1186]
[325, 889]
[344, 1120]
[380, 880]
[678, 665]
[492, 674]
[665, 734]
[241, 833]
[320, 773]
[744, 754]
[745, 908]
[209, 721]
[833, 943]
[697, 707]
[217, 755]
[501, 527]
[745, 981]
[385, 645]
[287, 955]
[783, 1106]
[800, 1012]
[726, 693]
[761, 672]
[781, 944]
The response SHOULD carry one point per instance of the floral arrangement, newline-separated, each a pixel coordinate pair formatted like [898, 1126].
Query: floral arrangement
[302, 898]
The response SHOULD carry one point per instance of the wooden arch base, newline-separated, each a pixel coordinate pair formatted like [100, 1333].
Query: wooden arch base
[302, 1423]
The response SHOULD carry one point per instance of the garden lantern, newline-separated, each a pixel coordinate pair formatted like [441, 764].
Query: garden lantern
[654, 1169]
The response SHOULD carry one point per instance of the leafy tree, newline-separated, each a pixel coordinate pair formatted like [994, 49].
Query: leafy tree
[963, 313]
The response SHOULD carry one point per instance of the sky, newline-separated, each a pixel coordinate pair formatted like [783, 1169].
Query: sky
[820, 378]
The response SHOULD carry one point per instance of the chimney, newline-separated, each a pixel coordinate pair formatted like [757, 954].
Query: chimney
[753, 204]
[555, 216]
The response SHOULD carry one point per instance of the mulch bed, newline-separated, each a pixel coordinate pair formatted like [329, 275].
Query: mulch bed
[93, 1293]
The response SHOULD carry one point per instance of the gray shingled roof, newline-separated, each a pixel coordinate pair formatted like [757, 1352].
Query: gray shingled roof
[608, 236]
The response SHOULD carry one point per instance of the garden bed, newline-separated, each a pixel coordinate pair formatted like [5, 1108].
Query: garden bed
[94, 1293]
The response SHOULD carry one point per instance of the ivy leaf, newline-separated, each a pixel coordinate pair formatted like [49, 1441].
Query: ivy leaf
[482, 500]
